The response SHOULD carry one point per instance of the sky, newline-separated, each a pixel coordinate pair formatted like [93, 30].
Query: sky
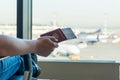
[67, 12]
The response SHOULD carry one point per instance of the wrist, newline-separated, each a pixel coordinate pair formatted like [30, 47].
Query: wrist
[32, 46]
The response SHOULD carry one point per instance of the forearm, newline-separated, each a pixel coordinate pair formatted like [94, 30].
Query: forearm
[13, 46]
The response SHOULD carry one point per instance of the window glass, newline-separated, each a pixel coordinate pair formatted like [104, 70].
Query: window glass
[94, 22]
[8, 17]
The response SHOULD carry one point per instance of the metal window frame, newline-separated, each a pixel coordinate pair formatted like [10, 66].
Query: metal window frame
[24, 19]
[24, 30]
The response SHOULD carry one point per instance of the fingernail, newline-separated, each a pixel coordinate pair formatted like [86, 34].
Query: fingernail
[56, 39]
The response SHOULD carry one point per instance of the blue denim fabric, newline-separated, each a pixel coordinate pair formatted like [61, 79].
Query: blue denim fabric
[9, 67]
[16, 77]
[13, 68]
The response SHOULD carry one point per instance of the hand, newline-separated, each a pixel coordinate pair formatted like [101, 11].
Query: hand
[45, 45]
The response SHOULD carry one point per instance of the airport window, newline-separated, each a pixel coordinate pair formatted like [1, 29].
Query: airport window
[94, 22]
[8, 17]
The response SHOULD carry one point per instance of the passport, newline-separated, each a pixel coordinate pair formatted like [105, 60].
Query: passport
[61, 34]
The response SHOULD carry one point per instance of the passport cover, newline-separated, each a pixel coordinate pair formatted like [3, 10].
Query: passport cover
[61, 34]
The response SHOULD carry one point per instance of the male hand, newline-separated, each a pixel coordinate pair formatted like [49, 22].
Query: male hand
[45, 45]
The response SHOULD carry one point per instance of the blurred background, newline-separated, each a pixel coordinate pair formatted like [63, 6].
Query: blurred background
[96, 23]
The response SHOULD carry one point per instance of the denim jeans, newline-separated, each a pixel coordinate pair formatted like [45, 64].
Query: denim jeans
[12, 68]
[9, 67]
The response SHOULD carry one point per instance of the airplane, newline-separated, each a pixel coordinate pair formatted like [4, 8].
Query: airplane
[89, 37]
[94, 32]
[67, 50]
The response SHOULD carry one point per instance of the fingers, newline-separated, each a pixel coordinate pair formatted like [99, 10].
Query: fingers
[52, 38]
[56, 45]
[47, 44]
